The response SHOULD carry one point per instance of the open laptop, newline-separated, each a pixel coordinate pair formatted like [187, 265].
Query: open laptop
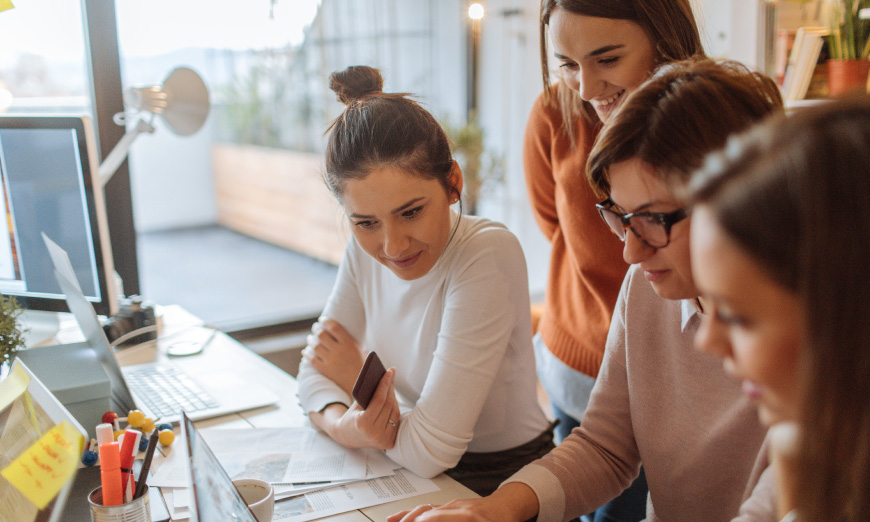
[161, 390]
[214, 496]
[19, 429]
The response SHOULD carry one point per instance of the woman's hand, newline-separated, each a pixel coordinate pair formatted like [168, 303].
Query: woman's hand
[334, 353]
[375, 427]
[511, 502]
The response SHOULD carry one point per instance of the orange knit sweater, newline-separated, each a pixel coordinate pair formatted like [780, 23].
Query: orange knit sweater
[586, 265]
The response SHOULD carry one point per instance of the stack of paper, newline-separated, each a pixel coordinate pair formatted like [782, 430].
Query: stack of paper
[312, 475]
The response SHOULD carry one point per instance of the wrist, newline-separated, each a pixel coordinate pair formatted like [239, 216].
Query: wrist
[513, 502]
[327, 418]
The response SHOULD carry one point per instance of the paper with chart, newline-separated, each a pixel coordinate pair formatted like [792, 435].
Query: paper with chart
[284, 455]
[280, 454]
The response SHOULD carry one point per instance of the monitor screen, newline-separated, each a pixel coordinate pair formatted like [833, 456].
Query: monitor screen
[50, 184]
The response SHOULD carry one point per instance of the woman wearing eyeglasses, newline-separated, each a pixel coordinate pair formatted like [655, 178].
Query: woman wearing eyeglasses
[656, 401]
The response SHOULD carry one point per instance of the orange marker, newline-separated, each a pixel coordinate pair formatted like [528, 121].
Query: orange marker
[110, 474]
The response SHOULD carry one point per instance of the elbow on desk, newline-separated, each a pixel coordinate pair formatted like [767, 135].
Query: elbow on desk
[426, 470]
[426, 466]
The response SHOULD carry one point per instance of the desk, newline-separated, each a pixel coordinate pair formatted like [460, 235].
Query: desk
[224, 352]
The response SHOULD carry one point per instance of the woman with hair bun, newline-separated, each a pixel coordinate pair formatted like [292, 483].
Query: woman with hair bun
[442, 298]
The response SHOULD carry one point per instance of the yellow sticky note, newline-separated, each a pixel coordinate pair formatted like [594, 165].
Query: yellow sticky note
[41, 471]
[6, 4]
[16, 382]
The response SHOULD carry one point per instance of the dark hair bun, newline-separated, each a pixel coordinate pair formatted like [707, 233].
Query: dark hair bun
[354, 82]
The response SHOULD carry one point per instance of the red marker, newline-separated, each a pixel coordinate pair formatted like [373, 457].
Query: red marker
[129, 448]
[110, 474]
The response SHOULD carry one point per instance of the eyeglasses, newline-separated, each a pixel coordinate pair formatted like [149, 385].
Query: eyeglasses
[652, 228]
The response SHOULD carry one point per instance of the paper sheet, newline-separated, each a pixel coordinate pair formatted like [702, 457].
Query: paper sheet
[349, 497]
[173, 469]
[284, 455]
[378, 466]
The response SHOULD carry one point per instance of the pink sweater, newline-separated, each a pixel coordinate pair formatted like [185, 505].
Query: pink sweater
[660, 402]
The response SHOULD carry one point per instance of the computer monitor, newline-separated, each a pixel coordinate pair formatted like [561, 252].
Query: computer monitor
[50, 184]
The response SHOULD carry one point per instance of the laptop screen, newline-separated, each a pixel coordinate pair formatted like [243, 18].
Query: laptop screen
[87, 320]
[214, 497]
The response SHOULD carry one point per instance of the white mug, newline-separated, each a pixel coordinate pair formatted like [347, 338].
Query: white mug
[259, 496]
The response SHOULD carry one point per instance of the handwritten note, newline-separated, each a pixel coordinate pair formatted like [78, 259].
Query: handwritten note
[42, 470]
[5, 5]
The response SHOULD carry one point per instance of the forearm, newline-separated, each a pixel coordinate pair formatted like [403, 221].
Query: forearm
[514, 501]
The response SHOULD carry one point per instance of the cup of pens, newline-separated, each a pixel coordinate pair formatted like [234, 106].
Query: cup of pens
[137, 510]
[121, 498]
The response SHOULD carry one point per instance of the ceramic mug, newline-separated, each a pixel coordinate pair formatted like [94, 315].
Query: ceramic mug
[259, 496]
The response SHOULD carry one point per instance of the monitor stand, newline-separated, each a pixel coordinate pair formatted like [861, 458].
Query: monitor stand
[39, 327]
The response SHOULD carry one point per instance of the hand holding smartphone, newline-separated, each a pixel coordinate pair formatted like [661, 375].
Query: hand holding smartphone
[368, 379]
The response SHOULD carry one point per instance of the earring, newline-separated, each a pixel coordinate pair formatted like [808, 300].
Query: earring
[454, 200]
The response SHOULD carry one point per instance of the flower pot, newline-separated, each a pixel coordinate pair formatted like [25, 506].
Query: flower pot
[847, 75]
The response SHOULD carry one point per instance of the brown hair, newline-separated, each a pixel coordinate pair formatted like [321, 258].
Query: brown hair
[378, 129]
[795, 194]
[674, 119]
[669, 24]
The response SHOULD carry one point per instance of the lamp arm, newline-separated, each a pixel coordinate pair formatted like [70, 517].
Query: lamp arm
[116, 157]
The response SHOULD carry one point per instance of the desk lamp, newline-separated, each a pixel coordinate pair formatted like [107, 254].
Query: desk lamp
[182, 101]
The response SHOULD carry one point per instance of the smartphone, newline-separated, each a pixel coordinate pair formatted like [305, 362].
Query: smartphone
[368, 379]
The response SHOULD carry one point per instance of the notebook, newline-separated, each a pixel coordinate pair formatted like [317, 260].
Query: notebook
[25, 419]
[213, 497]
[212, 391]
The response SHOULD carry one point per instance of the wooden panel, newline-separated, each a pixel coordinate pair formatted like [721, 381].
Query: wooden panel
[279, 196]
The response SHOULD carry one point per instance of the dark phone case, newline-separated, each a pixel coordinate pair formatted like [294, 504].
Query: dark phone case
[368, 379]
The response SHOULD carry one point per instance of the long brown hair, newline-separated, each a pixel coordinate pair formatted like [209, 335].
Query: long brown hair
[683, 112]
[669, 24]
[795, 194]
[378, 129]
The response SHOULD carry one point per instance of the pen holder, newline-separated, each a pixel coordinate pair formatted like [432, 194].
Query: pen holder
[137, 510]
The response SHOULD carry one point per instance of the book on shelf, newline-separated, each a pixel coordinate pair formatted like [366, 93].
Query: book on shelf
[782, 47]
[804, 63]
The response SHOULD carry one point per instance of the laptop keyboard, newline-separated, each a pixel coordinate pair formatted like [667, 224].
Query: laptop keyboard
[166, 390]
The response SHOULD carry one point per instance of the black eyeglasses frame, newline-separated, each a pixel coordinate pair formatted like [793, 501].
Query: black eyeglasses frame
[666, 219]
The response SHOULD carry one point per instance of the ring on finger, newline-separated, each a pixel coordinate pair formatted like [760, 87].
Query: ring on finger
[393, 424]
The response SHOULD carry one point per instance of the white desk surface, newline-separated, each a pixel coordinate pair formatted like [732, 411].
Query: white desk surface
[225, 352]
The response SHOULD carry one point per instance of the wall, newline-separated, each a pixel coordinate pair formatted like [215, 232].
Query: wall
[420, 45]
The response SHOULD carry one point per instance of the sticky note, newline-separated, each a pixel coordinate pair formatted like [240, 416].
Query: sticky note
[42, 470]
[16, 382]
[5, 5]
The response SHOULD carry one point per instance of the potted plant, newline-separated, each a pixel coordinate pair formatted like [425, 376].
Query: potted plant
[466, 141]
[849, 45]
[11, 334]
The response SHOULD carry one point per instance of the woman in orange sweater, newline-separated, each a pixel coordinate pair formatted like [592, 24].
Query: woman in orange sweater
[604, 50]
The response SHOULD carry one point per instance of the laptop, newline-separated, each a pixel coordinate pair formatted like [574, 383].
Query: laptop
[214, 496]
[161, 390]
[16, 436]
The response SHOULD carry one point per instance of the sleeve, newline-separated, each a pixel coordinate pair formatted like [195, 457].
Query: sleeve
[598, 460]
[761, 504]
[475, 332]
[538, 166]
[759, 499]
[345, 305]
